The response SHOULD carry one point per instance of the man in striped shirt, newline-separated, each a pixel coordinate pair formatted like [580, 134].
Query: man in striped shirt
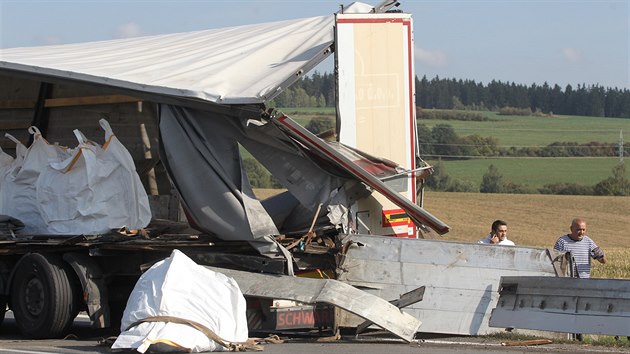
[582, 248]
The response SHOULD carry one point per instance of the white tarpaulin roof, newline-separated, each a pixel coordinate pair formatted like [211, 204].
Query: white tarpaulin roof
[236, 65]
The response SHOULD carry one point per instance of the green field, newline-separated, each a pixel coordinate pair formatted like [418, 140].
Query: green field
[540, 131]
[516, 131]
[303, 115]
[523, 131]
[535, 172]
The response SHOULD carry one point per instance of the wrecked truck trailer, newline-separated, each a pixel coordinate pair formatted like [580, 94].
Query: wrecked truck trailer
[182, 118]
[181, 104]
[83, 261]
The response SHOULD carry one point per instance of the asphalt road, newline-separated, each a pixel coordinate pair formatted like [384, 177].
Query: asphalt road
[83, 339]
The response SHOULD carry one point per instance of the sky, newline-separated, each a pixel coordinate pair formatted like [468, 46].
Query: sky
[526, 42]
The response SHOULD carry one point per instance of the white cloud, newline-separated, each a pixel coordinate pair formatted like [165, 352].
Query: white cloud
[435, 58]
[571, 55]
[128, 30]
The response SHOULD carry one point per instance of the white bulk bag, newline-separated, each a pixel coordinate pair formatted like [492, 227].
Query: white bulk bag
[8, 163]
[18, 193]
[180, 288]
[94, 190]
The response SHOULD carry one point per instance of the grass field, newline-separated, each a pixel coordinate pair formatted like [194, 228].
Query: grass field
[523, 131]
[516, 131]
[535, 172]
[513, 130]
[304, 115]
[540, 131]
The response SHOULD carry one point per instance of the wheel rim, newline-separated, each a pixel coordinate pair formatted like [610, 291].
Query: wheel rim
[34, 297]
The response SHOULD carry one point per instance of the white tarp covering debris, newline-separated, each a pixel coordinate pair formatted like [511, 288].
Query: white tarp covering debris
[179, 288]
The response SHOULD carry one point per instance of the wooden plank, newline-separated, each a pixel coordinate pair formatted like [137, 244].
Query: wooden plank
[89, 100]
[14, 124]
[17, 104]
[69, 101]
[527, 342]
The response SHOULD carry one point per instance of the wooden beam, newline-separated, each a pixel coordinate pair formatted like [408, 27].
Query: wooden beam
[14, 124]
[89, 100]
[69, 101]
[527, 342]
[17, 104]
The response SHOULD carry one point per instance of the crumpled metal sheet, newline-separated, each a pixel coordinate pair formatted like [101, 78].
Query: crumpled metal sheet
[310, 291]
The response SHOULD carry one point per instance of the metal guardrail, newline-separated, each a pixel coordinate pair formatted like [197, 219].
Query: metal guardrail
[571, 305]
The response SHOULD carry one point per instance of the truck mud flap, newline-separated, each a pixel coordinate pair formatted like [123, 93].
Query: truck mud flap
[310, 291]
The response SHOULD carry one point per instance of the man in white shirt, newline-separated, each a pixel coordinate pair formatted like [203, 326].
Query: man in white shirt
[498, 235]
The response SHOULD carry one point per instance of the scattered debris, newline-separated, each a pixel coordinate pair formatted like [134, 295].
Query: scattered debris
[526, 342]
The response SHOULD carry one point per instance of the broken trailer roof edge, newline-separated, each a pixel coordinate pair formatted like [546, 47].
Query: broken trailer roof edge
[416, 213]
[248, 64]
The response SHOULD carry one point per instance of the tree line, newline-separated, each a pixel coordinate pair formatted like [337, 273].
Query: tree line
[318, 90]
[593, 100]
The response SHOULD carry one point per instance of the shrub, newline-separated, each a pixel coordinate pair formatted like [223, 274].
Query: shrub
[517, 188]
[457, 185]
[440, 181]
[258, 176]
[450, 115]
[617, 184]
[566, 189]
[319, 125]
[477, 145]
[492, 181]
[513, 111]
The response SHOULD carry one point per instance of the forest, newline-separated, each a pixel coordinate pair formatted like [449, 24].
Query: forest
[318, 90]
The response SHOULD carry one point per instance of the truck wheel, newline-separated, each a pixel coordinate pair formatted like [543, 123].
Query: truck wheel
[43, 296]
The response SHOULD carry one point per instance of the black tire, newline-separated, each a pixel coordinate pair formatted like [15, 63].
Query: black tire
[43, 296]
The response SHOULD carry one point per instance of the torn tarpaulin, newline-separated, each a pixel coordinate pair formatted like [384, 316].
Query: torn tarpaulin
[177, 304]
